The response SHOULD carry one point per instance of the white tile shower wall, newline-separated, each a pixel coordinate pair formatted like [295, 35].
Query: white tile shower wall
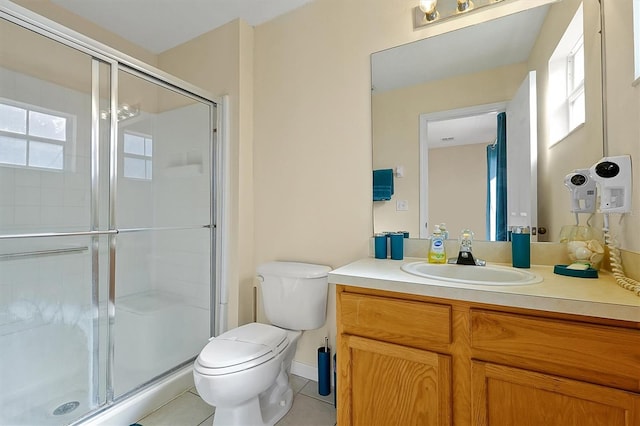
[178, 195]
[181, 167]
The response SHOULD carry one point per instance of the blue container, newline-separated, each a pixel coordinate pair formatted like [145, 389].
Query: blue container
[380, 246]
[521, 247]
[324, 371]
[397, 246]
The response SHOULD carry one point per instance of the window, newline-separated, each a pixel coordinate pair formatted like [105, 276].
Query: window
[137, 155]
[575, 84]
[32, 137]
[566, 97]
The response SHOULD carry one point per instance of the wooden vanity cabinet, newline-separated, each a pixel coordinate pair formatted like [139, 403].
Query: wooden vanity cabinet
[392, 384]
[388, 377]
[506, 396]
[415, 360]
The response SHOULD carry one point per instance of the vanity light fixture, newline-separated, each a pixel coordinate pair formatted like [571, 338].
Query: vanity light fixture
[430, 11]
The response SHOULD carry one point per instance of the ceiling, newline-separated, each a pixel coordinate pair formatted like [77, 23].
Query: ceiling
[158, 25]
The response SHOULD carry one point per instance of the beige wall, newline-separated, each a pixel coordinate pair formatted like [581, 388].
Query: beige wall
[396, 135]
[458, 188]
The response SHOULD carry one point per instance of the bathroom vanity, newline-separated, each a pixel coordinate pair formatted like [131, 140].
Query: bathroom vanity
[415, 351]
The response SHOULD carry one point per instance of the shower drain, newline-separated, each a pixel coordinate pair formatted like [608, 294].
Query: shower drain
[65, 408]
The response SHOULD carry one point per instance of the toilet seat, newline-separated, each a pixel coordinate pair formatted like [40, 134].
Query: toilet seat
[240, 349]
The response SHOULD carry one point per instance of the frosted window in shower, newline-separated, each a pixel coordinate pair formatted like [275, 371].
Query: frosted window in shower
[13, 151]
[46, 155]
[32, 138]
[47, 126]
[13, 119]
[137, 156]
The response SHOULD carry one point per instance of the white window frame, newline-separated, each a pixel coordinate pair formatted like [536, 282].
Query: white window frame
[565, 97]
[66, 144]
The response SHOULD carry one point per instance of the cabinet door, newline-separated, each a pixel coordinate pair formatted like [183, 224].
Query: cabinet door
[505, 396]
[387, 384]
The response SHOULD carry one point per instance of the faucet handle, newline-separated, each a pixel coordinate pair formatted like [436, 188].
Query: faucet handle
[466, 240]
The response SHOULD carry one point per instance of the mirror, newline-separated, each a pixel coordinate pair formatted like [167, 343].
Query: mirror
[471, 74]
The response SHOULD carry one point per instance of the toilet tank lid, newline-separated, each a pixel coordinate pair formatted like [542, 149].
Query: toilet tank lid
[293, 269]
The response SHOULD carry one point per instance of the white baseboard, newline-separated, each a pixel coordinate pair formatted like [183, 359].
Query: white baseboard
[304, 370]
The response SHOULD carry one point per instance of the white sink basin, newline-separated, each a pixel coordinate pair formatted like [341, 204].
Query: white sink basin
[464, 274]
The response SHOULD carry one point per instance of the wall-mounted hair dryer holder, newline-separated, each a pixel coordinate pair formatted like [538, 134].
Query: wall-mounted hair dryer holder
[613, 177]
[583, 191]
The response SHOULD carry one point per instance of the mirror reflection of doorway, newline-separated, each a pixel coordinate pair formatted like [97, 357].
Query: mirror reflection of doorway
[453, 158]
[453, 154]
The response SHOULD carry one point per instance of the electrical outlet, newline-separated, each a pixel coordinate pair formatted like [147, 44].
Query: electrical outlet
[402, 205]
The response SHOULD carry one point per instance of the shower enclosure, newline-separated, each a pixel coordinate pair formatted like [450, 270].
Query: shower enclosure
[106, 223]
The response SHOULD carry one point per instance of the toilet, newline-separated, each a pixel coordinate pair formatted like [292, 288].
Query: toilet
[244, 372]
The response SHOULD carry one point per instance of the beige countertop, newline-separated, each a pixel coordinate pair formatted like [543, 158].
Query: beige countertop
[600, 297]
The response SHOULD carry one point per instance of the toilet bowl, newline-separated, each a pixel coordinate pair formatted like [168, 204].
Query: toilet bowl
[244, 372]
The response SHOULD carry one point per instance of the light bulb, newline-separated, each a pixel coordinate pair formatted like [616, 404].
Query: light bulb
[429, 9]
[464, 5]
[428, 6]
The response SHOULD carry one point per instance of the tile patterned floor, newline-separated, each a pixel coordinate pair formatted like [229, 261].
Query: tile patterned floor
[309, 409]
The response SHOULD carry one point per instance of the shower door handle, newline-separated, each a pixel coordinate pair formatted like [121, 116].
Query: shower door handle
[60, 234]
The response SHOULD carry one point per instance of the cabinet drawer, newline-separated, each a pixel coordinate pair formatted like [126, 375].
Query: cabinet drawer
[405, 322]
[599, 354]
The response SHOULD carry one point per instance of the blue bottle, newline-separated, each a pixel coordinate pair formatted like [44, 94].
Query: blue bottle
[521, 247]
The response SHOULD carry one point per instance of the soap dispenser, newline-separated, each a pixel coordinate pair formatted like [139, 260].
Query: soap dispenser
[437, 252]
[445, 232]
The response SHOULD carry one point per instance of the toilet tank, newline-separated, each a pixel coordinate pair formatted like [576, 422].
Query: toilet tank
[294, 294]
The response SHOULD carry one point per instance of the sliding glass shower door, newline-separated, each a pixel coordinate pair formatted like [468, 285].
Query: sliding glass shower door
[106, 226]
[53, 229]
[162, 212]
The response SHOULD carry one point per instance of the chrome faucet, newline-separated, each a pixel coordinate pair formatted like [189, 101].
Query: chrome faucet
[465, 256]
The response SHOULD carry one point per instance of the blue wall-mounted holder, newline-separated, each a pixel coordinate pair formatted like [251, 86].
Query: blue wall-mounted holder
[382, 184]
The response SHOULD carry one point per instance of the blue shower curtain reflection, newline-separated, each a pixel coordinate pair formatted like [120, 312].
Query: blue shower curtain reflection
[496, 218]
